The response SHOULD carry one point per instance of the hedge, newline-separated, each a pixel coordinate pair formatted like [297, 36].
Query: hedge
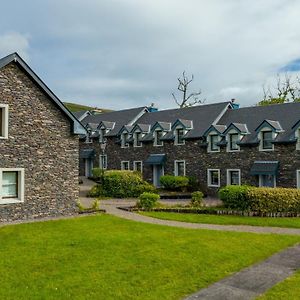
[262, 199]
[174, 183]
[122, 184]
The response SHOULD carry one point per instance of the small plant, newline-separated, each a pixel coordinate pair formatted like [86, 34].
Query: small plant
[80, 206]
[197, 199]
[147, 200]
[95, 191]
[96, 205]
[174, 183]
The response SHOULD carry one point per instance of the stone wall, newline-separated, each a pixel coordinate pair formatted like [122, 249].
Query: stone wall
[40, 141]
[198, 160]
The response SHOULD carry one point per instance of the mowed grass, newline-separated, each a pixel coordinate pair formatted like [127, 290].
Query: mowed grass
[105, 257]
[226, 220]
[289, 289]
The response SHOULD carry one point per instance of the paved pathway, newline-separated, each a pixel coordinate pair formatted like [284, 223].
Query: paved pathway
[112, 208]
[255, 280]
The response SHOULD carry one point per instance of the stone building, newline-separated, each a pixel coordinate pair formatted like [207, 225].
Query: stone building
[39, 146]
[219, 144]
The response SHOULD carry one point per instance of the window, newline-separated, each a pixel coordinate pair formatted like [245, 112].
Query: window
[213, 177]
[233, 177]
[298, 178]
[297, 134]
[103, 161]
[3, 121]
[179, 133]
[233, 139]
[158, 134]
[137, 139]
[125, 165]
[11, 185]
[102, 133]
[213, 141]
[266, 140]
[138, 166]
[124, 143]
[179, 168]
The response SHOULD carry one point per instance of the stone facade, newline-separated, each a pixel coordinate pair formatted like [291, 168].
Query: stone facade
[40, 141]
[198, 160]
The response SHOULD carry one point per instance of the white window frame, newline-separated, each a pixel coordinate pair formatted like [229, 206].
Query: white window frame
[21, 186]
[261, 139]
[260, 181]
[4, 108]
[102, 132]
[298, 178]
[135, 140]
[210, 143]
[122, 166]
[176, 167]
[156, 139]
[100, 161]
[228, 180]
[209, 178]
[176, 136]
[228, 141]
[135, 163]
[124, 144]
[297, 135]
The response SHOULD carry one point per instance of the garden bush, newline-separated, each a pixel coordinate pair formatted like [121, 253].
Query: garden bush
[174, 183]
[147, 200]
[124, 184]
[97, 173]
[95, 191]
[270, 200]
[235, 196]
[261, 199]
[197, 199]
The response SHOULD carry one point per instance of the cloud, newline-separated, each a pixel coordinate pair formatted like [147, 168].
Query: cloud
[123, 53]
[14, 42]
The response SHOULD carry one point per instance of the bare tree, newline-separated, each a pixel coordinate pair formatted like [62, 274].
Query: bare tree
[188, 99]
[287, 89]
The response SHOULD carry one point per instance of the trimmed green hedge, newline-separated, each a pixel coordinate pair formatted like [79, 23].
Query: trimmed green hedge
[147, 200]
[174, 183]
[122, 184]
[263, 199]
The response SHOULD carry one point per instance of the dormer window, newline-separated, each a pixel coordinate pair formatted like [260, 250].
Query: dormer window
[3, 121]
[88, 136]
[266, 140]
[158, 134]
[102, 133]
[179, 133]
[213, 143]
[298, 139]
[124, 143]
[232, 143]
[137, 139]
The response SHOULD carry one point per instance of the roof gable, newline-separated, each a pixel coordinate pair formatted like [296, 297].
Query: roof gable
[77, 127]
[274, 125]
[187, 124]
[241, 128]
[215, 128]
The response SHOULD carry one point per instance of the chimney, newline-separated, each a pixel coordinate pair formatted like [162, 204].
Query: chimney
[152, 108]
[234, 105]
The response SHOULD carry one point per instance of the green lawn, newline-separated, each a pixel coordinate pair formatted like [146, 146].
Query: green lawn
[105, 257]
[289, 289]
[226, 220]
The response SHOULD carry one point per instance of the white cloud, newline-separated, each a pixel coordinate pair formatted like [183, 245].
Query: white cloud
[14, 42]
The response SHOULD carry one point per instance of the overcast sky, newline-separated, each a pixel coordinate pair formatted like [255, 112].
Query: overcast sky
[124, 53]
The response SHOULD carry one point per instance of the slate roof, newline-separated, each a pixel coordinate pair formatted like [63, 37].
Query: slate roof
[287, 115]
[202, 116]
[120, 117]
[80, 114]
[77, 127]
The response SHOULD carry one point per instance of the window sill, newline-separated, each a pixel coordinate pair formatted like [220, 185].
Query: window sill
[212, 185]
[266, 150]
[157, 145]
[10, 201]
[3, 137]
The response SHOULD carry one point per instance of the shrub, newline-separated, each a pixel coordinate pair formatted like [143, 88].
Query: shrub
[270, 200]
[147, 200]
[123, 184]
[235, 196]
[95, 191]
[97, 173]
[95, 205]
[174, 183]
[193, 184]
[197, 198]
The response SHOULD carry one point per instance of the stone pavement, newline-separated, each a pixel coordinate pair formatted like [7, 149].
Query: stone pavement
[255, 280]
